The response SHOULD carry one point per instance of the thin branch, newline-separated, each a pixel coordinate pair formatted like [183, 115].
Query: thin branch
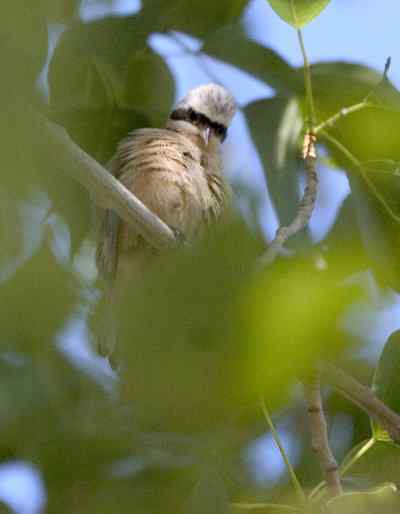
[356, 107]
[306, 205]
[358, 165]
[308, 83]
[345, 111]
[365, 398]
[107, 192]
[296, 484]
[319, 435]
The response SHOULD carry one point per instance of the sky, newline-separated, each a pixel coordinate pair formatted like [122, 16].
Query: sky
[359, 31]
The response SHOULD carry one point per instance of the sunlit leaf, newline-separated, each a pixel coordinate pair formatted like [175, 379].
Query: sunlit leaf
[281, 328]
[387, 380]
[384, 497]
[298, 12]
[337, 85]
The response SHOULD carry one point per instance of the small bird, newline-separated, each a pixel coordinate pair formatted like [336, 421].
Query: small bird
[177, 173]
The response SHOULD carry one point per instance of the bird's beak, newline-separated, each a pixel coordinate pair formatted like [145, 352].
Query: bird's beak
[205, 134]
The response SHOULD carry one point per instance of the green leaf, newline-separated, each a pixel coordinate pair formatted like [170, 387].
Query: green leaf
[387, 380]
[369, 134]
[278, 322]
[146, 71]
[375, 198]
[298, 12]
[381, 498]
[275, 125]
[191, 16]
[230, 44]
[100, 92]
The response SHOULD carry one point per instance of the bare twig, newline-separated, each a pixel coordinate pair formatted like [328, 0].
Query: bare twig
[365, 398]
[306, 205]
[345, 111]
[107, 192]
[319, 435]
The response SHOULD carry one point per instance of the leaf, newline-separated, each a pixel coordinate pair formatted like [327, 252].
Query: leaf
[368, 134]
[23, 47]
[386, 382]
[378, 217]
[146, 71]
[277, 322]
[383, 498]
[100, 92]
[191, 16]
[184, 371]
[230, 44]
[298, 12]
[275, 125]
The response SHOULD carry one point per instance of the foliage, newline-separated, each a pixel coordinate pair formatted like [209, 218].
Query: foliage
[204, 333]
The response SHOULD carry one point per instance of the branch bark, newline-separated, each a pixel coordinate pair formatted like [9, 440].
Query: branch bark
[106, 191]
[306, 205]
[364, 398]
[319, 435]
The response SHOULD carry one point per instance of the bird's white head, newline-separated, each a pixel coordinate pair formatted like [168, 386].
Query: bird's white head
[211, 107]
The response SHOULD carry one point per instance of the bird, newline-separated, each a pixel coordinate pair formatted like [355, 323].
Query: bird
[177, 173]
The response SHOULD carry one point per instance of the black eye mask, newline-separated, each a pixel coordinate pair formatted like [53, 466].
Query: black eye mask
[200, 120]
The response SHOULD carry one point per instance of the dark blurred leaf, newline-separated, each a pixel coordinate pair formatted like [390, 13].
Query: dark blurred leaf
[298, 12]
[182, 362]
[275, 125]
[230, 44]
[383, 498]
[192, 16]
[387, 380]
[104, 82]
[149, 87]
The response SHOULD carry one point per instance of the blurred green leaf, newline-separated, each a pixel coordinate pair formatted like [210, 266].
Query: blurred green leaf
[379, 217]
[345, 233]
[105, 81]
[387, 380]
[384, 498]
[192, 16]
[285, 336]
[23, 47]
[183, 363]
[230, 44]
[298, 12]
[275, 125]
[337, 85]
[146, 72]
[37, 300]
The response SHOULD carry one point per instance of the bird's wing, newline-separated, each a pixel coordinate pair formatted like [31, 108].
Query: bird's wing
[107, 240]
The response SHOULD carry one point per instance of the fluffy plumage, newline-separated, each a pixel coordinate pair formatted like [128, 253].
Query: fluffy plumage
[176, 172]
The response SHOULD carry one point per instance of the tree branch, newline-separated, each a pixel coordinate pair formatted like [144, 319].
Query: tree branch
[365, 398]
[306, 205]
[319, 435]
[107, 192]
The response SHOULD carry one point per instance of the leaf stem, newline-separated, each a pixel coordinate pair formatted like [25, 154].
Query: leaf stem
[358, 165]
[295, 482]
[307, 83]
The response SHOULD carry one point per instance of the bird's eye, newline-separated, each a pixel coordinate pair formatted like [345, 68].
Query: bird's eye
[193, 115]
